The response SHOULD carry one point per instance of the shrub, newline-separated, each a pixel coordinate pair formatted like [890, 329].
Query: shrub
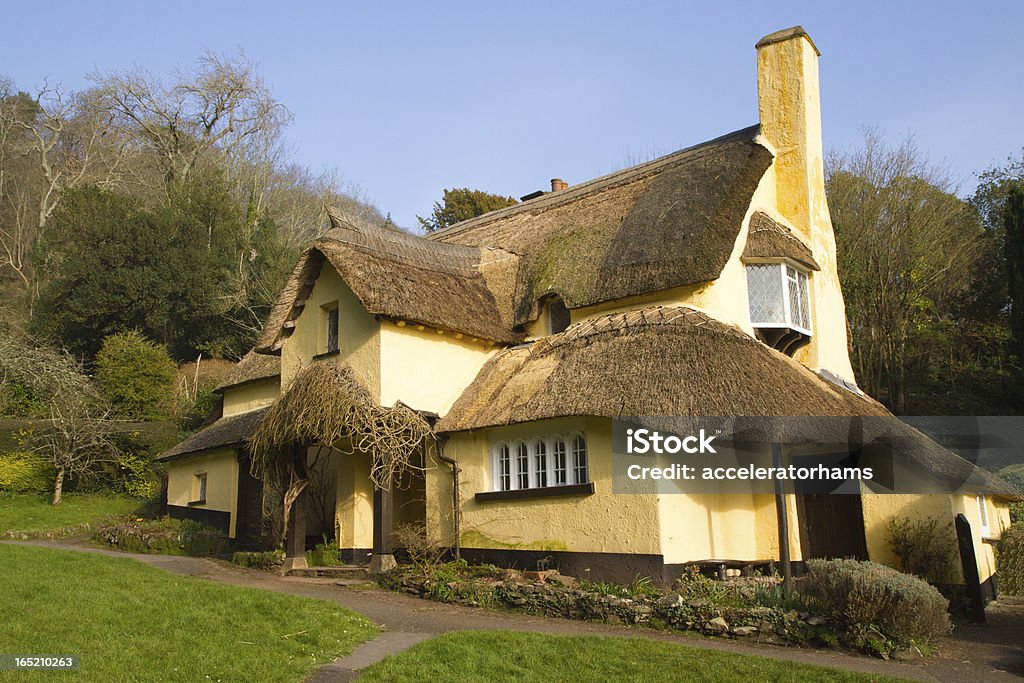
[137, 478]
[267, 560]
[25, 473]
[325, 554]
[925, 548]
[423, 550]
[136, 375]
[871, 599]
[1010, 560]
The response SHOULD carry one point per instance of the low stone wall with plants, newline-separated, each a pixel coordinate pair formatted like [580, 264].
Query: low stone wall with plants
[752, 609]
[164, 536]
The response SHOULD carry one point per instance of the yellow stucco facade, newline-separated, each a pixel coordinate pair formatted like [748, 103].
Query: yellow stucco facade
[250, 396]
[220, 468]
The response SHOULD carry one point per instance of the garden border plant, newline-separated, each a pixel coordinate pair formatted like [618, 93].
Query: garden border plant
[883, 621]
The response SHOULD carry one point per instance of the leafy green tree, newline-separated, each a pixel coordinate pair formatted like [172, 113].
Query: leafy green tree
[460, 204]
[1014, 255]
[195, 275]
[136, 375]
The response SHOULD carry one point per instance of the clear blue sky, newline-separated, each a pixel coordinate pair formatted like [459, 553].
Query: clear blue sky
[405, 99]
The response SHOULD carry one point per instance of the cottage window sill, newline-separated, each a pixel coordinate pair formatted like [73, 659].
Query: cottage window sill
[196, 502]
[545, 492]
[992, 540]
[327, 354]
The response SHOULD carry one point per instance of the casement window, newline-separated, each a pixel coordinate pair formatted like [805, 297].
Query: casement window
[559, 460]
[199, 488]
[986, 530]
[331, 328]
[778, 296]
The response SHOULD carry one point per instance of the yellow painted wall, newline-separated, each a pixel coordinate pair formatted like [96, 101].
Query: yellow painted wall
[358, 333]
[354, 515]
[879, 509]
[424, 369]
[221, 468]
[601, 522]
[251, 396]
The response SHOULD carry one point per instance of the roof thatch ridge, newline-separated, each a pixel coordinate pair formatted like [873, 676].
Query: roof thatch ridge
[253, 367]
[232, 430]
[581, 190]
[452, 287]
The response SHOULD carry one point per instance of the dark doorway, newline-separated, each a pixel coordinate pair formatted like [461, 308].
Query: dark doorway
[831, 526]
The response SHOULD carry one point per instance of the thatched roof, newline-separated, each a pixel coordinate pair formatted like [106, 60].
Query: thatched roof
[226, 431]
[666, 223]
[767, 238]
[669, 361]
[401, 276]
[252, 368]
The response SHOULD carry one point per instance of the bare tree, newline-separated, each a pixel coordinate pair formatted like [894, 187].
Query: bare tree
[906, 244]
[221, 103]
[49, 142]
[77, 434]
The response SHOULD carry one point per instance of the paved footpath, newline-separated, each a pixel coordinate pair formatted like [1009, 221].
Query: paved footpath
[991, 653]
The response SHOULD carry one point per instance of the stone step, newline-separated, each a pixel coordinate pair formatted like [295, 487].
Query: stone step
[349, 572]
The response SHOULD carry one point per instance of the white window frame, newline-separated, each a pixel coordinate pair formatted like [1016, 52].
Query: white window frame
[534, 477]
[784, 268]
[986, 528]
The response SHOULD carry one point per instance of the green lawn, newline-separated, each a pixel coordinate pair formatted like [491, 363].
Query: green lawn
[514, 656]
[32, 512]
[133, 622]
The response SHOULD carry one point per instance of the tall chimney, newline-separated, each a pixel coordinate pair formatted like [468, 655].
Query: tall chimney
[789, 105]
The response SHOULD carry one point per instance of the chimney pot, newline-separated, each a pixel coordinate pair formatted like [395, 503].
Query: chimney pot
[556, 184]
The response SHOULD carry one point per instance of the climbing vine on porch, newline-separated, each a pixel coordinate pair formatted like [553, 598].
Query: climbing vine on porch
[327, 404]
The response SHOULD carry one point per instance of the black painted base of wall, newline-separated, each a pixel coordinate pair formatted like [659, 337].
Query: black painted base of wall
[215, 518]
[356, 555]
[616, 567]
[613, 567]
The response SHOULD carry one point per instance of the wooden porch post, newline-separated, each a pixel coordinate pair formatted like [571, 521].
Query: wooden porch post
[783, 519]
[295, 540]
[383, 514]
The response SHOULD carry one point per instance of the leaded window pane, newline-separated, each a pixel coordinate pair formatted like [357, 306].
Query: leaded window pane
[579, 459]
[561, 469]
[523, 464]
[764, 290]
[540, 457]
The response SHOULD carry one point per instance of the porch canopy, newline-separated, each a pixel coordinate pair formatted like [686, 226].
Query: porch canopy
[327, 404]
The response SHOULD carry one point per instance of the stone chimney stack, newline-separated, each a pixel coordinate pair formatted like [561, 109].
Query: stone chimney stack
[789, 105]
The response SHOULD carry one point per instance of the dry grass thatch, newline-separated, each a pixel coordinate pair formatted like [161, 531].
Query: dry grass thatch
[670, 222]
[768, 238]
[252, 368]
[401, 276]
[234, 430]
[675, 361]
[327, 404]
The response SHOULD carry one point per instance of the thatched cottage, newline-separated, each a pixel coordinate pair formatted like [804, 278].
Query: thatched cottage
[468, 379]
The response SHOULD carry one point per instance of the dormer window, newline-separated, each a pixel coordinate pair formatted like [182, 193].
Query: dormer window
[780, 308]
[558, 316]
